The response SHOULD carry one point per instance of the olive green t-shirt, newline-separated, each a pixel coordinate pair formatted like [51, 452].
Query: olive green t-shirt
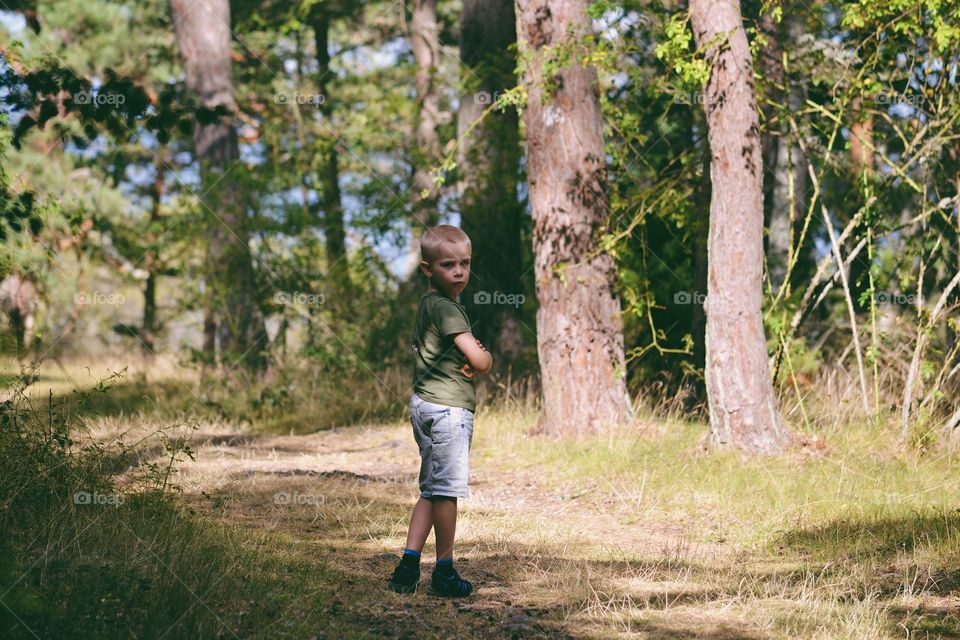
[440, 370]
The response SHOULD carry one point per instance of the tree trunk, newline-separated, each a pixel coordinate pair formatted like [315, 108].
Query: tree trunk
[425, 41]
[743, 409]
[329, 173]
[701, 230]
[862, 162]
[579, 326]
[784, 162]
[861, 139]
[150, 263]
[490, 161]
[203, 37]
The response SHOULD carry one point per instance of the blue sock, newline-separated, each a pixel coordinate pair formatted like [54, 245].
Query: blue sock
[445, 565]
[411, 556]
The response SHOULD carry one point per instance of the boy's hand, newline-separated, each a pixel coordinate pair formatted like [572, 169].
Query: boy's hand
[477, 356]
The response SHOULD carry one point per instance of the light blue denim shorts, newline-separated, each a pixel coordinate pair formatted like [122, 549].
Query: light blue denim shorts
[444, 435]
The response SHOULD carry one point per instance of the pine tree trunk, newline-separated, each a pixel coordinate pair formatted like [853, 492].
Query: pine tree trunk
[743, 408]
[203, 37]
[579, 326]
[490, 161]
[150, 263]
[862, 161]
[701, 229]
[425, 40]
[329, 174]
[785, 166]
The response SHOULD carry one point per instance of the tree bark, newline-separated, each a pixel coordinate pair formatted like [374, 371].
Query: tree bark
[784, 162]
[203, 37]
[861, 139]
[425, 41]
[490, 162]
[329, 172]
[151, 264]
[743, 409]
[701, 230]
[579, 326]
[862, 162]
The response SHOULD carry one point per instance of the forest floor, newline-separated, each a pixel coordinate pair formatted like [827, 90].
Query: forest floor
[550, 555]
[547, 559]
[639, 535]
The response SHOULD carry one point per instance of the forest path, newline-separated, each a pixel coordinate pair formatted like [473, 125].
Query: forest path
[547, 559]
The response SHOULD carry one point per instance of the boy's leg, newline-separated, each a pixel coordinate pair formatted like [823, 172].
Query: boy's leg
[445, 580]
[406, 576]
[420, 524]
[445, 525]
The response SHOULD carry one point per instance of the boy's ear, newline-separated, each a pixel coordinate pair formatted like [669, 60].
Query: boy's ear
[425, 267]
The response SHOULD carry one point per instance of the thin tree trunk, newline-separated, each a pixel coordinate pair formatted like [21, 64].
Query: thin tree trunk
[861, 139]
[425, 41]
[203, 37]
[862, 161]
[743, 409]
[579, 326]
[329, 173]
[149, 328]
[784, 163]
[490, 161]
[701, 232]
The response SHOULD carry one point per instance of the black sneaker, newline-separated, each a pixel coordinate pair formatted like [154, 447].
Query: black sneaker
[449, 585]
[405, 577]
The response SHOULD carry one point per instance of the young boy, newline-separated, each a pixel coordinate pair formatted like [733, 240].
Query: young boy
[445, 358]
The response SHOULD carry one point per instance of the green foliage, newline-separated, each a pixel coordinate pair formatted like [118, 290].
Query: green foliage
[677, 51]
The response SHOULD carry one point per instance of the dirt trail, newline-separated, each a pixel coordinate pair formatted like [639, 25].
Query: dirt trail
[535, 549]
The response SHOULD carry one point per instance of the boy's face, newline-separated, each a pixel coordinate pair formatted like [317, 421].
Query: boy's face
[449, 271]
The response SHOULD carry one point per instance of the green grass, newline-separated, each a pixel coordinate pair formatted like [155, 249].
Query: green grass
[300, 398]
[138, 565]
[860, 477]
[855, 528]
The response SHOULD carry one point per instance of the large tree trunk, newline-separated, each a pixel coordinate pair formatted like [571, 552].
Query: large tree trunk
[579, 327]
[743, 408]
[203, 37]
[329, 173]
[490, 161]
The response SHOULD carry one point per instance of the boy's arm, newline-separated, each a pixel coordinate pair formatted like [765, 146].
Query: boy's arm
[479, 358]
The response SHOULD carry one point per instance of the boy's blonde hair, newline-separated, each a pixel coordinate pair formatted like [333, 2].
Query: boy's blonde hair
[435, 237]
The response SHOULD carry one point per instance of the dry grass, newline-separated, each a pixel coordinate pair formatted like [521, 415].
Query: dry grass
[633, 534]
